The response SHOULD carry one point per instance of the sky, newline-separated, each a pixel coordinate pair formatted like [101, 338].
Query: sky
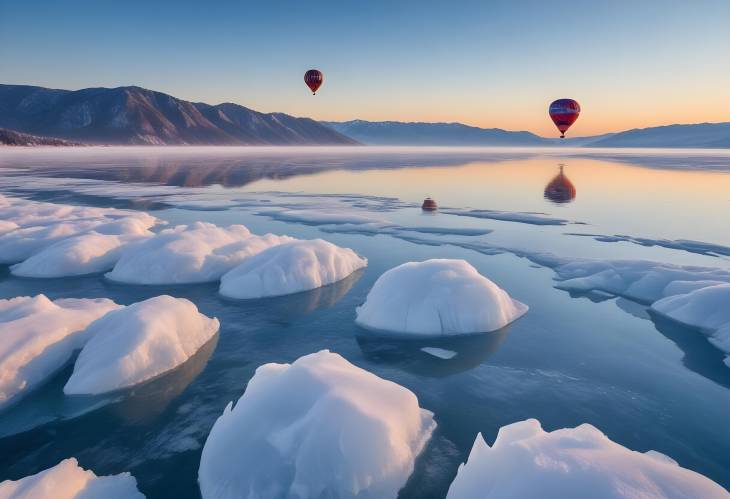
[485, 63]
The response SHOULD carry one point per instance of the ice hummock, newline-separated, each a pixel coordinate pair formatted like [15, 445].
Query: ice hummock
[39, 336]
[319, 427]
[290, 268]
[138, 342]
[706, 308]
[87, 253]
[439, 298]
[526, 461]
[200, 252]
[68, 480]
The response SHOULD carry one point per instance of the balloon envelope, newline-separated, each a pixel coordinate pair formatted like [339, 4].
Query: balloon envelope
[564, 112]
[313, 78]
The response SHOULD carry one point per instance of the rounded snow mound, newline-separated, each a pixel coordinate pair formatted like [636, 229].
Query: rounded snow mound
[320, 427]
[68, 480]
[437, 297]
[138, 342]
[526, 461]
[39, 336]
[200, 252]
[290, 268]
[85, 254]
[706, 308]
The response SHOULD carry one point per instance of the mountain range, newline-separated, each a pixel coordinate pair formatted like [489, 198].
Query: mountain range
[134, 115]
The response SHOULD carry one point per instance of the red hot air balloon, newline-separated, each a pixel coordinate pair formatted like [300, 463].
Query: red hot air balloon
[313, 78]
[564, 112]
[560, 189]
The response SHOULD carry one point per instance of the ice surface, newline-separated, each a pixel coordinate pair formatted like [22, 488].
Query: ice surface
[68, 480]
[525, 461]
[706, 308]
[138, 342]
[84, 254]
[38, 336]
[320, 427]
[290, 268]
[509, 216]
[200, 252]
[437, 297]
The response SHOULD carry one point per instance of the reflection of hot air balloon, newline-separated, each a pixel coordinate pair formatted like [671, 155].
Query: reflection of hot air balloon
[564, 112]
[313, 78]
[560, 189]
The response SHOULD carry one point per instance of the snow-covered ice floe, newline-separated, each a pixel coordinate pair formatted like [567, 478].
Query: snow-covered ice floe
[139, 342]
[290, 268]
[525, 461]
[437, 297]
[88, 253]
[695, 296]
[706, 308]
[68, 480]
[200, 252]
[320, 427]
[30, 227]
[39, 336]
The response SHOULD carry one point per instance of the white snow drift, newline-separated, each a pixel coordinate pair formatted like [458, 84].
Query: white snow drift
[525, 461]
[68, 480]
[85, 254]
[437, 297]
[695, 296]
[29, 227]
[38, 336]
[706, 308]
[138, 342]
[319, 427]
[200, 252]
[290, 268]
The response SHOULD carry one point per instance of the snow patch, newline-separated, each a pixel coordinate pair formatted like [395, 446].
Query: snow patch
[68, 480]
[319, 427]
[439, 352]
[290, 268]
[138, 342]
[526, 461]
[437, 298]
[39, 337]
[200, 252]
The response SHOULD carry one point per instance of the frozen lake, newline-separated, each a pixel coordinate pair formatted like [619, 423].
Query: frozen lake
[575, 357]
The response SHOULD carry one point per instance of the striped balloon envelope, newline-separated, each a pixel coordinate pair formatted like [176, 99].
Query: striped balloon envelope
[313, 78]
[564, 112]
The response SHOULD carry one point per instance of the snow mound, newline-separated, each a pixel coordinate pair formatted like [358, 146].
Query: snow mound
[439, 298]
[201, 252]
[290, 268]
[85, 254]
[138, 342]
[705, 308]
[68, 480]
[39, 337]
[639, 280]
[17, 245]
[526, 461]
[319, 427]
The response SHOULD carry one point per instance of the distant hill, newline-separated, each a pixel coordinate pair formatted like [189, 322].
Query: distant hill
[432, 134]
[701, 135]
[13, 138]
[134, 115]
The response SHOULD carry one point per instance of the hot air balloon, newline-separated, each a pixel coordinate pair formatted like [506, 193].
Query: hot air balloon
[313, 78]
[564, 112]
[560, 189]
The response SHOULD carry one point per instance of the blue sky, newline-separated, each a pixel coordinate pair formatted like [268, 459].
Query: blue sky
[486, 63]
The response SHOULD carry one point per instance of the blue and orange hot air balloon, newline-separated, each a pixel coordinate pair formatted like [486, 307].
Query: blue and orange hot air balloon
[313, 78]
[564, 112]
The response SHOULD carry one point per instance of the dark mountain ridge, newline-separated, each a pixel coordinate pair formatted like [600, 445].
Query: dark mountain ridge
[134, 115]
